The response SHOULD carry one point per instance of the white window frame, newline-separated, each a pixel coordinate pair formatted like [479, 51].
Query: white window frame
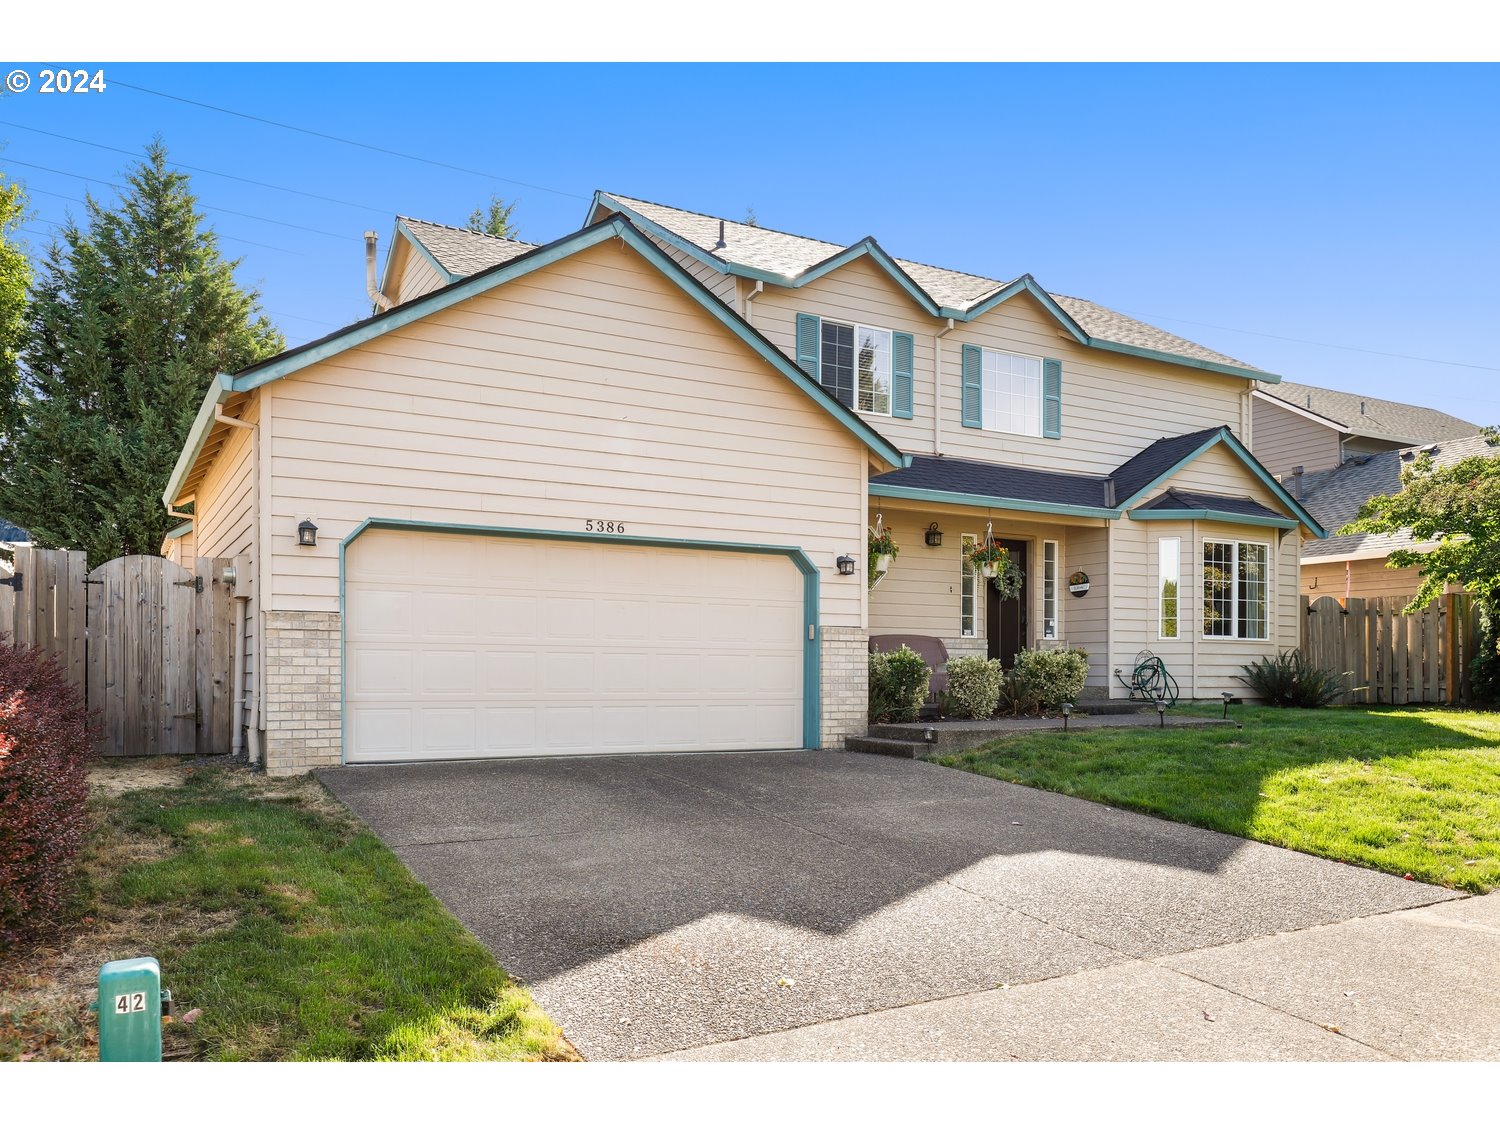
[890, 353]
[984, 396]
[968, 588]
[1234, 585]
[1161, 593]
[1051, 624]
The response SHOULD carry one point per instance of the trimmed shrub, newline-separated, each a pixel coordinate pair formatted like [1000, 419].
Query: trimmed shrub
[1289, 680]
[898, 685]
[1484, 669]
[973, 687]
[44, 756]
[1045, 679]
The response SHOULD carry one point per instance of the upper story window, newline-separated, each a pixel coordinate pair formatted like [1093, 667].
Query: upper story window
[1012, 390]
[856, 365]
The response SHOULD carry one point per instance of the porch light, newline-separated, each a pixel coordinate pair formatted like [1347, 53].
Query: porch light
[1067, 714]
[845, 564]
[307, 534]
[934, 537]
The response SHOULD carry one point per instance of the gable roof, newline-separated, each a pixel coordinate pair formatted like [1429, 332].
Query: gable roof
[982, 483]
[1336, 495]
[1363, 416]
[315, 351]
[788, 259]
[460, 252]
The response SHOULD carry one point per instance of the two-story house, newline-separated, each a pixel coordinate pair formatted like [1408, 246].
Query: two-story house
[612, 494]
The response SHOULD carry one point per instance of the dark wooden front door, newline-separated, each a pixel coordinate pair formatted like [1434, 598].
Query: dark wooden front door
[1005, 618]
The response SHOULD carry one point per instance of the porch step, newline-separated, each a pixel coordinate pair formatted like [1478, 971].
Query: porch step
[889, 747]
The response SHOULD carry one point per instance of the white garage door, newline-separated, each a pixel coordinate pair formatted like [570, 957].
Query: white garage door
[461, 646]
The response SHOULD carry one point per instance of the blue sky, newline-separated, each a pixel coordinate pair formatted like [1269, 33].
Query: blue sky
[1266, 211]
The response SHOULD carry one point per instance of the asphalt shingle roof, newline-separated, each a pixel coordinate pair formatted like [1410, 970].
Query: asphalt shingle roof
[464, 252]
[1161, 456]
[1335, 496]
[1181, 500]
[1373, 417]
[1009, 482]
[792, 254]
[10, 533]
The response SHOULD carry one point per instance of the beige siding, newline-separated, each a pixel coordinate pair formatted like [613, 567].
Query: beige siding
[416, 275]
[721, 285]
[1113, 405]
[181, 550]
[591, 389]
[1086, 619]
[1284, 439]
[1220, 472]
[1366, 578]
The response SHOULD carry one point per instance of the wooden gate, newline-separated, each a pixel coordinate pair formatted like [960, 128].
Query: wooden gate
[147, 641]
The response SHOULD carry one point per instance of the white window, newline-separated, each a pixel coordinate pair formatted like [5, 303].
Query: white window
[1049, 589]
[1236, 589]
[1011, 391]
[1168, 579]
[967, 588]
[856, 366]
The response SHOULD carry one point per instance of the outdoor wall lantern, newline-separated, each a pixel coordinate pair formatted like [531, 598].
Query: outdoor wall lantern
[845, 564]
[934, 536]
[307, 534]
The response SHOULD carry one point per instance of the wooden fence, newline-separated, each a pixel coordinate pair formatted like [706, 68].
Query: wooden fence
[1387, 656]
[145, 640]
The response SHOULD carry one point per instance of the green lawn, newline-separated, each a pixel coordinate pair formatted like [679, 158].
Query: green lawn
[1406, 791]
[296, 932]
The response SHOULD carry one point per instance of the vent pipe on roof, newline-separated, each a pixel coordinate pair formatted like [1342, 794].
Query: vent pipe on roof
[372, 287]
[721, 243]
[1361, 406]
[1297, 481]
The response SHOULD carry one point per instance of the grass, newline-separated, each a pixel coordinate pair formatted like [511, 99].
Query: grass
[1406, 791]
[297, 933]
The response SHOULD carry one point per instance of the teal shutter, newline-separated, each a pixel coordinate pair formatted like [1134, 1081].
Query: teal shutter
[902, 347]
[809, 342]
[1052, 398]
[973, 400]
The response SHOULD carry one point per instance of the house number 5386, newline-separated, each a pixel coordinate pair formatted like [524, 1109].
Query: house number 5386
[609, 527]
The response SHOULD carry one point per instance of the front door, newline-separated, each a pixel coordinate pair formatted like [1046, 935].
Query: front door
[1005, 618]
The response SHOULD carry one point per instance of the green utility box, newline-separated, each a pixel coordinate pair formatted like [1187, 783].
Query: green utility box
[131, 1005]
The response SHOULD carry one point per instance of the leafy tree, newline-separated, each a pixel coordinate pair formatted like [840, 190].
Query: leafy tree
[494, 219]
[750, 219]
[131, 318]
[1456, 507]
[15, 277]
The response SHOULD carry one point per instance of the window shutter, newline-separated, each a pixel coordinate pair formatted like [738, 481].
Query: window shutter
[809, 342]
[972, 400]
[902, 348]
[1052, 398]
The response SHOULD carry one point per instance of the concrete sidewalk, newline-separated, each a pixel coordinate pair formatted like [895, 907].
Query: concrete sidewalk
[1419, 984]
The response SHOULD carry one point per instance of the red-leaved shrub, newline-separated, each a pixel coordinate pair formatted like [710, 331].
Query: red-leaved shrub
[44, 757]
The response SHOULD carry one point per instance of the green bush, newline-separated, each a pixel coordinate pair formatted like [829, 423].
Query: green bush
[1045, 679]
[973, 687]
[898, 685]
[1288, 680]
[1484, 669]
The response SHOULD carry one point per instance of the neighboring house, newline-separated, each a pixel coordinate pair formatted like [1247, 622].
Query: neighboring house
[1353, 566]
[599, 495]
[1313, 428]
[11, 535]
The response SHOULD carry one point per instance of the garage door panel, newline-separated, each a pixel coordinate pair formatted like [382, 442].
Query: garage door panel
[511, 647]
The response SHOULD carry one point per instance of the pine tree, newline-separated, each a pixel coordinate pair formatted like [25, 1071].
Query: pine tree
[15, 277]
[494, 219]
[130, 320]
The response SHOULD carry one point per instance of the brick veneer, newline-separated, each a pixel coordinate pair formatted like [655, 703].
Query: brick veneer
[303, 725]
[846, 684]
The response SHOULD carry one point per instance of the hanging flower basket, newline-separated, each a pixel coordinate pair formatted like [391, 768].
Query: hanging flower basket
[994, 562]
[880, 549]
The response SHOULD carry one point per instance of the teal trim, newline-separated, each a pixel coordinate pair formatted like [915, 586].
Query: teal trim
[1210, 514]
[1186, 361]
[900, 492]
[180, 530]
[812, 630]
[197, 437]
[971, 391]
[1052, 398]
[1234, 445]
[865, 247]
[1023, 284]
[544, 256]
[903, 352]
[426, 253]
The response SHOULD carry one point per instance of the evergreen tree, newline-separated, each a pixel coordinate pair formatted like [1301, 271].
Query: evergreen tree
[15, 277]
[494, 219]
[130, 320]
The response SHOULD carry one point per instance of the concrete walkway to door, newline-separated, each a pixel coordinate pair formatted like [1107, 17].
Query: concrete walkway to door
[830, 905]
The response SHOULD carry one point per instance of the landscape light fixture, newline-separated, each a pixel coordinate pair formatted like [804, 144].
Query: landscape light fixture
[1161, 711]
[307, 534]
[934, 537]
[1067, 714]
[845, 564]
[929, 734]
[1228, 698]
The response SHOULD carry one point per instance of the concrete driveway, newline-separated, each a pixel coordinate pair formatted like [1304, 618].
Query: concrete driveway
[829, 905]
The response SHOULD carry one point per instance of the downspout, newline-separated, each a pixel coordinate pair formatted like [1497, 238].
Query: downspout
[372, 286]
[748, 296]
[937, 388]
[237, 683]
